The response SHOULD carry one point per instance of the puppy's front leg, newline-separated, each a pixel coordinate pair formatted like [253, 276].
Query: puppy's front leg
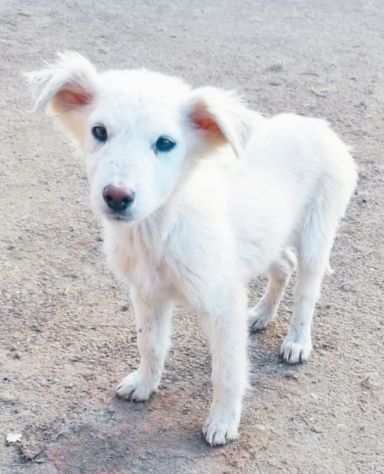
[228, 342]
[153, 321]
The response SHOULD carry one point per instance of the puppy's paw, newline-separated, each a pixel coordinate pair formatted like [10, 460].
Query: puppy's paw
[135, 388]
[259, 318]
[295, 352]
[219, 430]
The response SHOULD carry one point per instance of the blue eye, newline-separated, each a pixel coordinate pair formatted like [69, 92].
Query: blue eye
[164, 144]
[100, 133]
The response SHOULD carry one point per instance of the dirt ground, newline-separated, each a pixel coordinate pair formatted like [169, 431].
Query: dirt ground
[66, 333]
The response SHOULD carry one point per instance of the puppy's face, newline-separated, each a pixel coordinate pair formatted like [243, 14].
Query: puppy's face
[136, 141]
[141, 131]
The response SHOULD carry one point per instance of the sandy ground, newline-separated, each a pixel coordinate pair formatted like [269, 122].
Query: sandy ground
[66, 333]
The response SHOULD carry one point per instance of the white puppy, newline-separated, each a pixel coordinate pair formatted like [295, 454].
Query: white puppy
[197, 195]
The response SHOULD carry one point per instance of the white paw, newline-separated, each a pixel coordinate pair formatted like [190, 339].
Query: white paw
[259, 317]
[295, 352]
[219, 430]
[135, 388]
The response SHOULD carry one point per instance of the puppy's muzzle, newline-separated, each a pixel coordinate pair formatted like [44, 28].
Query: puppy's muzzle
[118, 199]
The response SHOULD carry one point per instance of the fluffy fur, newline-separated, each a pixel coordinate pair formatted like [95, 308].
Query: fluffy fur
[239, 195]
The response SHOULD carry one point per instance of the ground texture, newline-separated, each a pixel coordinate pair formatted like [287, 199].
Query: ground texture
[66, 332]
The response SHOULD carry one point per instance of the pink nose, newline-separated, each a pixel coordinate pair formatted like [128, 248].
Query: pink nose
[117, 198]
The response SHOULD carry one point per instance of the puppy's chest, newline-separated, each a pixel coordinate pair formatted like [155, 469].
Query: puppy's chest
[139, 262]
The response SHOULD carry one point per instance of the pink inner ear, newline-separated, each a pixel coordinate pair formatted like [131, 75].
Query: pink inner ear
[74, 97]
[204, 121]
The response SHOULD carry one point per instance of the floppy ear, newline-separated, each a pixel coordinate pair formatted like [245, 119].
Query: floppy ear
[66, 89]
[220, 117]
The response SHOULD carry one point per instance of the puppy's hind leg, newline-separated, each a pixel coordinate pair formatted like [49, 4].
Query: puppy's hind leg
[278, 277]
[153, 322]
[315, 245]
[297, 345]
[315, 241]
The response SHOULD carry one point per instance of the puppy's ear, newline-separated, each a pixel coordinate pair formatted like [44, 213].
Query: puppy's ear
[220, 117]
[66, 89]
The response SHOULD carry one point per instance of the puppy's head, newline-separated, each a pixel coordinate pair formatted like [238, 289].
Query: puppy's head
[141, 131]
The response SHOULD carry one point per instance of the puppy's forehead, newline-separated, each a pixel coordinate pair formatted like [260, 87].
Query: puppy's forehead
[144, 86]
[140, 100]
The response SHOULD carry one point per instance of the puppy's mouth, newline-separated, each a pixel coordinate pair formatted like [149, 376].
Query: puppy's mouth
[119, 216]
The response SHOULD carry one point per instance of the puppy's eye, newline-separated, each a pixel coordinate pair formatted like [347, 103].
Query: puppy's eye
[100, 133]
[164, 144]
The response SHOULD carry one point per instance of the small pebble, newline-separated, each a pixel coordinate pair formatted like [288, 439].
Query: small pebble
[291, 375]
[275, 68]
[260, 427]
[6, 397]
[371, 382]
[13, 438]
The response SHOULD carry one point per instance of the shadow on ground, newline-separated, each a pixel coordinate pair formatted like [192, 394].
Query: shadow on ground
[158, 437]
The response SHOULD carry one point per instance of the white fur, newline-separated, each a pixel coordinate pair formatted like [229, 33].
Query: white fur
[207, 217]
